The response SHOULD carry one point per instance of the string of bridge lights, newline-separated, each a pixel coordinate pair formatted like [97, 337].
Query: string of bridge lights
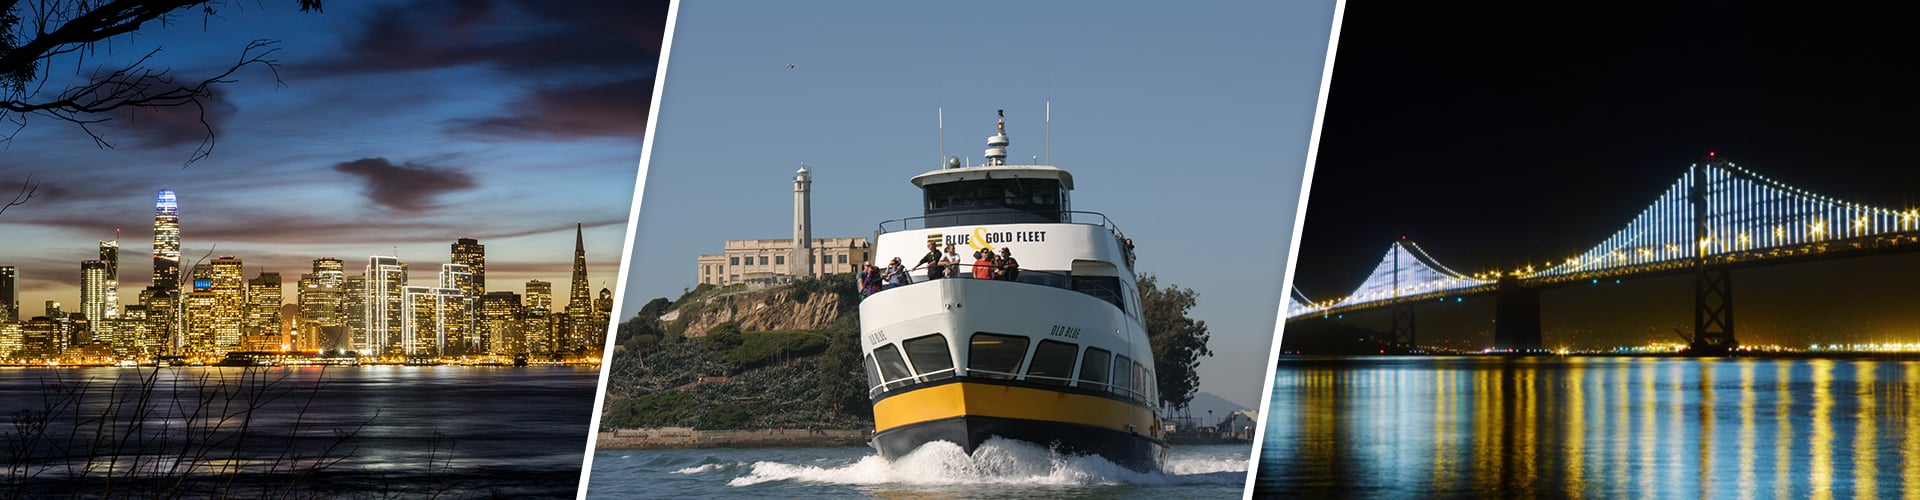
[1739, 202]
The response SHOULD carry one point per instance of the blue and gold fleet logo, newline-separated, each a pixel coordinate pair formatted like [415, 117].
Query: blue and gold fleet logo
[982, 239]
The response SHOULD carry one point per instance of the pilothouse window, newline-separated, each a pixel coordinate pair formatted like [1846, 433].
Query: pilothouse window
[1022, 194]
[995, 353]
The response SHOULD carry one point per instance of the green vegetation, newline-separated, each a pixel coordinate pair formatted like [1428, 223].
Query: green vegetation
[1178, 341]
[726, 378]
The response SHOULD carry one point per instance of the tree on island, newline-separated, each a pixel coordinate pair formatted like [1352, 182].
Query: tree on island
[1178, 341]
[33, 33]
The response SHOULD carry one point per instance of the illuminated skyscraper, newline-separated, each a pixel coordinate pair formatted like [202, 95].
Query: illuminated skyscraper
[353, 315]
[229, 285]
[538, 324]
[93, 297]
[539, 295]
[500, 321]
[320, 299]
[163, 321]
[9, 295]
[385, 313]
[579, 297]
[166, 241]
[469, 252]
[262, 327]
[110, 255]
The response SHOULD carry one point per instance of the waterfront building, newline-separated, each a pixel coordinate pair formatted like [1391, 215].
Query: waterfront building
[385, 315]
[93, 296]
[353, 314]
[262, 327]
[228, 281]
[500, 323]
[9, 294]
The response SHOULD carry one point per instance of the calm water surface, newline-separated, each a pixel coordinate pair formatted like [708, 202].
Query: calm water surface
[999, 469]
[448, 431]
[1592, 427]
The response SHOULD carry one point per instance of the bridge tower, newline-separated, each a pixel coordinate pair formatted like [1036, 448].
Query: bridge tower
[1712, 284]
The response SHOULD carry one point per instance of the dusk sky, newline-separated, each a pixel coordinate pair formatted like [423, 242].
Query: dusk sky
[1524, 133]
[397, 127]
[1187, 126]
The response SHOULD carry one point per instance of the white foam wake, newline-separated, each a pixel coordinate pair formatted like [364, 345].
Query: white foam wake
[997, 461]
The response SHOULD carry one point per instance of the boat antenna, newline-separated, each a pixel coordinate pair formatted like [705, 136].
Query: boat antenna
[942, 112]
[1049, 148]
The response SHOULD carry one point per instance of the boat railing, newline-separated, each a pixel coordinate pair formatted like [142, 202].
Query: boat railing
[1066, 217]
[1050, 279]
[1101, 387]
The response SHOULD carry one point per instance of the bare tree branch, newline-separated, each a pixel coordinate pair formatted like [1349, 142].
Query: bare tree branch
[28, 188]
[55, 28]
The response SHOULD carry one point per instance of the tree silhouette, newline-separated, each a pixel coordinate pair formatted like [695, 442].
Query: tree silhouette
[33, 33]
[1178, 340]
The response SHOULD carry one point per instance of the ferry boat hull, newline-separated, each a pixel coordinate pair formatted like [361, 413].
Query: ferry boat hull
[1064, 422]
[967, 406]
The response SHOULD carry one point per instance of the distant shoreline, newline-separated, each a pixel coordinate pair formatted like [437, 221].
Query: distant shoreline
[682, 437]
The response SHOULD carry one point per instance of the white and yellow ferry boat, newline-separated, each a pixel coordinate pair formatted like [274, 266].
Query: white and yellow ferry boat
[1057, 356]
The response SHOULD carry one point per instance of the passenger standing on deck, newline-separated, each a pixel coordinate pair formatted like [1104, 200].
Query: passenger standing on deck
[953, 261]
[869, 279]
[983, 264]
[931, 261]
[1009, 268]
[896, 274]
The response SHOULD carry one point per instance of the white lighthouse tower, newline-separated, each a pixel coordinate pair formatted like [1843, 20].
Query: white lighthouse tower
[802, 259]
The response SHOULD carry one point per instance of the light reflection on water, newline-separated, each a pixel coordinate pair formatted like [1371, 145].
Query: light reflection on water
[448, 430]
[1592, 427]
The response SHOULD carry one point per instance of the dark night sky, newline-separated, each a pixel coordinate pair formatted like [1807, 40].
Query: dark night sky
[1501, 134]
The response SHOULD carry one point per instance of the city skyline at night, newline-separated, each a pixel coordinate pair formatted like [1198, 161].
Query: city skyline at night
[220, 304]
[386, 127]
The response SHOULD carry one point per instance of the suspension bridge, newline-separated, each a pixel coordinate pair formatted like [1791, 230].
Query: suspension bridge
[1715, 218]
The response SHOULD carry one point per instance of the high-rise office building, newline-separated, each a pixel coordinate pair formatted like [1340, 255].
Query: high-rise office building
[539, 295]
[500, 323]
[229, 285]
[9, 295]
[130, 332]
[385, 313]
[166, 241]
[197, 311]
[320, 299]
[469, 252]
[261, 331]
[163, 333]
[93, 298]
[353, 315]
[579, 297]
[438, 321]
[110, 255]
[537, 323]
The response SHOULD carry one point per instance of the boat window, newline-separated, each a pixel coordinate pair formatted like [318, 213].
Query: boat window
[1094, 369]
[1052, 362]
[1140, 382]
[929, 354]
[995, 353]
[1105, 288]
[873, 374]
[1122, 374]
[892, 366]
[991, 193]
